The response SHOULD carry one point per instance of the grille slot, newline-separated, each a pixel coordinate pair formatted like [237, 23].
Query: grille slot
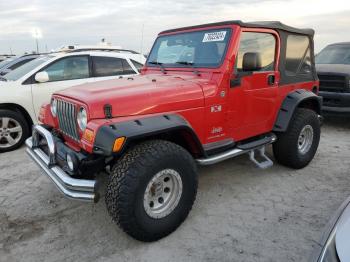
[333, 83]
[66, 114]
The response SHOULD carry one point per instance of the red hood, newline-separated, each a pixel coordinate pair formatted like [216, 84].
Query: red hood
[142, 94]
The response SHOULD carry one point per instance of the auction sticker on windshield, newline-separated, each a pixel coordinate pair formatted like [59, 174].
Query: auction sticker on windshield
[214, 36]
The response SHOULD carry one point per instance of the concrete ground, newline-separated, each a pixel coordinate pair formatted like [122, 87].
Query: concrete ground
[241, 213]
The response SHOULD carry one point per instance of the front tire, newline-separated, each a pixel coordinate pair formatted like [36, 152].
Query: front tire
[13, 130]
[152, 189]
[298, 145]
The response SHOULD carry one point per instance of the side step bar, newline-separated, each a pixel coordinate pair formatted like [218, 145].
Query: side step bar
[249, 148]
[265, 162]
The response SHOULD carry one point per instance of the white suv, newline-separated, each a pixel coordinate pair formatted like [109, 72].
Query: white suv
[25, 89]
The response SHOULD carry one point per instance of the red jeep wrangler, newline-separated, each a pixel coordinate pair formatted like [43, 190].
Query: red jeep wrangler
[206, 94]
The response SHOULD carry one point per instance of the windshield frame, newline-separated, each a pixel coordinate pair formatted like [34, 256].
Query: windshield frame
[328, 49]
[230, 33]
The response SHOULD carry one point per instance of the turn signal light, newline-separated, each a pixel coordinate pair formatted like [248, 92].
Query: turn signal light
[89, 135]
[42, 114]
[118, 144]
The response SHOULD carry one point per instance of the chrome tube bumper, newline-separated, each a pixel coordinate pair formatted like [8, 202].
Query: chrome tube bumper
[80, 189]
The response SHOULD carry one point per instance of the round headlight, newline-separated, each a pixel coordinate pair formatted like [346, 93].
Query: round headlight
[54, 107]
[82, 119]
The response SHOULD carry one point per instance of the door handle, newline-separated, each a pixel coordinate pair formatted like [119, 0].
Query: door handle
[271, 80]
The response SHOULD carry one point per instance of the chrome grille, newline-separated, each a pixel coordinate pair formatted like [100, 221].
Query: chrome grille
[67, 115]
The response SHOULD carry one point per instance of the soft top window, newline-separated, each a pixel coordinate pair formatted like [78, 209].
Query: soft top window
[204, 48]
[298, 58]
[262, 43]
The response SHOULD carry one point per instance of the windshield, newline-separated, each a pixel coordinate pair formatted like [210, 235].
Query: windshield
[5, 62]
[26, 68]
[334, 54]
[198, 49]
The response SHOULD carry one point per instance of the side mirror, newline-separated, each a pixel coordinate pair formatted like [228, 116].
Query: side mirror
[42, 77]
[251, 62]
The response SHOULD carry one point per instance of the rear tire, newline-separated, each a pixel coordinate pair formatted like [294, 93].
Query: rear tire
[13, 130]
[297, 146]
[152, 189]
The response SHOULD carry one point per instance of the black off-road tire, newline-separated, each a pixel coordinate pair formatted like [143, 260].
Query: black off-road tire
[22, 122]
[286, 150]
[128, 182]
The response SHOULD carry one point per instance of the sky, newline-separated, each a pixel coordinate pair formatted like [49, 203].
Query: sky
[135, 24]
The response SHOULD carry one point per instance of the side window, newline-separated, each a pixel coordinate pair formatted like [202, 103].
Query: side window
[262, 43]
[69, 68]
[127, 68]
[137, 65]
[298, 58]
[107, 66]
[20, 63]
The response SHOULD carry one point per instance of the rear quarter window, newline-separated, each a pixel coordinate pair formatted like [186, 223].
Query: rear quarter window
[298, 58]
[110, 66]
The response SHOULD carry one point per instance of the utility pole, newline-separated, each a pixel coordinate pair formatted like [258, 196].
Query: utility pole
[37, 34]
[37, 45]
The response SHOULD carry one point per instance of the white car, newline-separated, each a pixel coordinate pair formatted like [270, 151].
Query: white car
[24, 90]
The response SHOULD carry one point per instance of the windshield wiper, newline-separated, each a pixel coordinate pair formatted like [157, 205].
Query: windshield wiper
[162, 68]
[184, 63]
[189, 64]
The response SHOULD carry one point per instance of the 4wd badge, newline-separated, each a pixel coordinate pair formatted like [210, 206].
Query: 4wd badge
[216, 130]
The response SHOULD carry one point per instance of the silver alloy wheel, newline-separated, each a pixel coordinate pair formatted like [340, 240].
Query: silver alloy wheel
[162, 193]
[305, 139]
[10, 132]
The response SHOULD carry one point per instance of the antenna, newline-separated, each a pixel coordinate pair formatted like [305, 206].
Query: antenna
[143, 27]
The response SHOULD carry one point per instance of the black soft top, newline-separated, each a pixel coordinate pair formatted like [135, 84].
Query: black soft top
[260, 24]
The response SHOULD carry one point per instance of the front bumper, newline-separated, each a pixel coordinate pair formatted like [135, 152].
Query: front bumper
[80, 189]
[334, 102]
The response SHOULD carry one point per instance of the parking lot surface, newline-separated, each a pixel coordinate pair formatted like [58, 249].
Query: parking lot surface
[241, 213]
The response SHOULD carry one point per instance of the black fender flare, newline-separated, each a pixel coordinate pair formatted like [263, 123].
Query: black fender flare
[291, 102]
[141, 128]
